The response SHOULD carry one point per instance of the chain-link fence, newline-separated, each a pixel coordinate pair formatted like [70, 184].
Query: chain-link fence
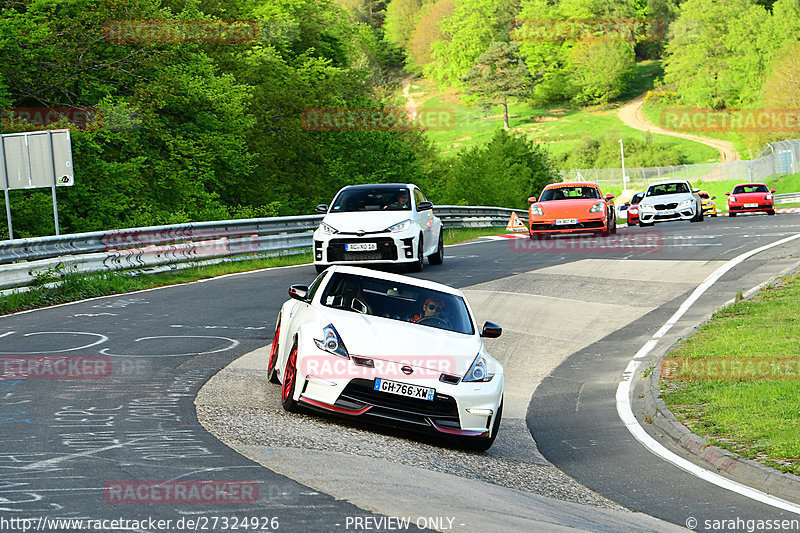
[777, 158]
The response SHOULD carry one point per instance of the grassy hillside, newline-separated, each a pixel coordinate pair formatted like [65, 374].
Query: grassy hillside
[559, 129]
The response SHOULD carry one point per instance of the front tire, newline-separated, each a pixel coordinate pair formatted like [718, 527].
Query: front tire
[771, 212]
[731, 214]
[438, 257]
[416, 266]
[290, 381]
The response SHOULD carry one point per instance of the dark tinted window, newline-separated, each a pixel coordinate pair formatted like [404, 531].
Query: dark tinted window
[569, 193]
[397, 301]
[366, 199]
[740, 189]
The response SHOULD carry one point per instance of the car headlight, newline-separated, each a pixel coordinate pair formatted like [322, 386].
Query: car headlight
[731, 198]
[478, 371]
[327, 229]
[685, 203]
[596, 208]
[331, 342]
[400, 226]
[536, 210]
[768, 197]
[633, 211]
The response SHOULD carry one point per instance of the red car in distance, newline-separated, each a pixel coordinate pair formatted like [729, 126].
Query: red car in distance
[577, 207]
[632, 208]
[751, 198]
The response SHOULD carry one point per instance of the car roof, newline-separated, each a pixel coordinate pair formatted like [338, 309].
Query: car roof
[751, 183]
[369, 273]
[572, 184]
[379, 186]
[665, 182]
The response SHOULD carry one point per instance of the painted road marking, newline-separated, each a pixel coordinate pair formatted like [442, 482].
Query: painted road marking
[625, 410]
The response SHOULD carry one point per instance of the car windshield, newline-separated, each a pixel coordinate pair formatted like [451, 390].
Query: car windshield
[637, 197]
[703, 195]
[667, 188]
[372, 199]
[741, 189]
[569, 193]
[397, 301]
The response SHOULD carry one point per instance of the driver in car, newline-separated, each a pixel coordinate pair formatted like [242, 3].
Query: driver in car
[433, 307]
[400, 201]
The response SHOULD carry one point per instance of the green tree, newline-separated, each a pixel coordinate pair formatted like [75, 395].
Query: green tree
[716, 50]
[601, 70]
[498, 75]
[426, 32]
[401, 19]
[504, 172]
[466, 35]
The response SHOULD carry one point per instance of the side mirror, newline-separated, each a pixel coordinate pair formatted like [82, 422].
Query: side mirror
[695, 191]
[532, 199]
[425, 206]
[609, 196]
[298, 292]
[713, 197]
[491, 330]
[772, 191]
[321, 208]
[727, 194]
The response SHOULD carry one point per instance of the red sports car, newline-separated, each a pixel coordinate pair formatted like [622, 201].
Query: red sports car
[632, 209]
[577, 207]
[750, 198]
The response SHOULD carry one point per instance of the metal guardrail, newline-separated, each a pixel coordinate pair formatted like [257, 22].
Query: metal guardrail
[23, 260]
[788, 198]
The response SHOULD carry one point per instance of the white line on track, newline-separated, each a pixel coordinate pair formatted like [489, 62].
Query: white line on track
[625, 411]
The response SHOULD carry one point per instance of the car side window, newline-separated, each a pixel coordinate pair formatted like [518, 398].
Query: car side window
[314, 286]
[418, 197]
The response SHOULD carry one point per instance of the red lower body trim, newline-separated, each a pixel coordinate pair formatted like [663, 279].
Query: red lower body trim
[334, 408]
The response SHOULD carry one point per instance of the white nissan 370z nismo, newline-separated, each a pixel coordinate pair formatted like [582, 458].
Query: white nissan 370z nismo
[379, 223]
[390, 348]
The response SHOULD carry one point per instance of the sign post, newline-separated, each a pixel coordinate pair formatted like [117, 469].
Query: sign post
[33, 160]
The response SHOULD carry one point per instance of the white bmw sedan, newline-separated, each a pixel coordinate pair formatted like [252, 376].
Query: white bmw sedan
[670, 200]
[389, 348]
[383, 223]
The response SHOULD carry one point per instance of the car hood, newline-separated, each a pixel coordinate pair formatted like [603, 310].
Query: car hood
[369, 221]
[666, 199]
[750, 196]
[568, 208]
[398, 341]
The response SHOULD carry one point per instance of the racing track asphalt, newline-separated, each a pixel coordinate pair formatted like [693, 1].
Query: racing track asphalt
[63, 441]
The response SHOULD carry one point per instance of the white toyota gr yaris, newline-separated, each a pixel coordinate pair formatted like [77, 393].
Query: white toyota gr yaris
[390, 348]
[390, 223]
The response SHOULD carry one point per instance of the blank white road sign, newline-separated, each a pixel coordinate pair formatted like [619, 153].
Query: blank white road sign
[30, 162]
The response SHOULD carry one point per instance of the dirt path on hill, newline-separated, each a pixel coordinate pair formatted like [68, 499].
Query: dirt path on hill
[631, 114]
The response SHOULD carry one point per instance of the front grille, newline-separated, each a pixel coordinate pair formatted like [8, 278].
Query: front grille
[591, 224]
[386, 251]
[361, 392]
[661, 207]
[666, 217]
